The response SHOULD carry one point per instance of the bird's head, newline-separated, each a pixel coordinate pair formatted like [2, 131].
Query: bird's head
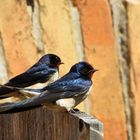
[51, 59]
[83, 68]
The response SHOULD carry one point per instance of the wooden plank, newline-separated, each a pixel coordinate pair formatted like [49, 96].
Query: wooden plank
[48, 123]
[42, 124]
[96, 126]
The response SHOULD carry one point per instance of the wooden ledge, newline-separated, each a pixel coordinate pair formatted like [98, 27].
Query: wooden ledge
[96, 126]
[49, 123]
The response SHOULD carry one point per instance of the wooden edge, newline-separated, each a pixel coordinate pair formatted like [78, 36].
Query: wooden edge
[91, 129]
[96, 126]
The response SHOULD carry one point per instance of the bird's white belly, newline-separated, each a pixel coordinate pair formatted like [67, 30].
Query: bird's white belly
[38, 86]
[68, 103]
[89, 91]
[53, 78]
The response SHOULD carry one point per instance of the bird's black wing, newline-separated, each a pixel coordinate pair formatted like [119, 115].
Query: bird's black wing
[36, 74]
[66, 85]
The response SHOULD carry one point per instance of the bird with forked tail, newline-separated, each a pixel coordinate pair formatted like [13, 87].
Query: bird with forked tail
[45, 70]
[68, 91]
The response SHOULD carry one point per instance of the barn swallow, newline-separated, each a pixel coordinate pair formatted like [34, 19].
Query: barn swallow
[68, 91]
[46, 69]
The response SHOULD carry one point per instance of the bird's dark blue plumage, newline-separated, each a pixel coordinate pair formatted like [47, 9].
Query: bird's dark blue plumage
[40, 72]
[74, 85]
[70, 82]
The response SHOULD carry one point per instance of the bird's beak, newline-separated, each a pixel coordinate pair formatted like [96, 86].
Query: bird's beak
[91, 72]
[94, 70]
[61, 63]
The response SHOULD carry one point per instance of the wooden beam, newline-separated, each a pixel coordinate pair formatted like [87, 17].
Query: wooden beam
[47, 123]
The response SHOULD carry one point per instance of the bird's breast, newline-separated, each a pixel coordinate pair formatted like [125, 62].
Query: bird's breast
[89, 91]
[67, 103]
[53, 78]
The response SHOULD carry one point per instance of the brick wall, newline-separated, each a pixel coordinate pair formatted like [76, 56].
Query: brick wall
[102, 32]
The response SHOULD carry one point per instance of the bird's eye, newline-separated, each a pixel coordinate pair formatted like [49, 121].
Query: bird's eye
[57, 58]
[84, 71]
[47, 62]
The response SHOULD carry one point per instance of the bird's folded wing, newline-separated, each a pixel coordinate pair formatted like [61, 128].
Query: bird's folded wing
[53, 92]
[38, 100]
[31, 76]
[28, 78]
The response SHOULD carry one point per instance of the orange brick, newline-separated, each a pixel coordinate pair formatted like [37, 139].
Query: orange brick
[134, 43]
[57, 31]
[100, 50]
[16, 32]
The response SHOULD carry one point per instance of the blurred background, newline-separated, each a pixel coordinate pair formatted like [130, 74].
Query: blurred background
[106, 33]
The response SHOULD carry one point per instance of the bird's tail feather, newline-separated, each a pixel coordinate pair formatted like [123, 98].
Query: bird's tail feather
[30, 103]
[6, 106]
[11, 87]
[4, 90]
[25, 104]
[27, 91]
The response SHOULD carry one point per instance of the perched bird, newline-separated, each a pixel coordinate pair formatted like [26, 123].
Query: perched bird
[67, 91]
[46, 69]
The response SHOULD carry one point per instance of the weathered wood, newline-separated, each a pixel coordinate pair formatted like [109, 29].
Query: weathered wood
[96, 126]
[44, 123]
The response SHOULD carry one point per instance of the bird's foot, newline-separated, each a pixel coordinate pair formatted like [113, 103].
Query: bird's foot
[74, 110]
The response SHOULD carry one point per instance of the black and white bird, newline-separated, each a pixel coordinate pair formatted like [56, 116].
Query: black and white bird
[45, 70]
[68, 91]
